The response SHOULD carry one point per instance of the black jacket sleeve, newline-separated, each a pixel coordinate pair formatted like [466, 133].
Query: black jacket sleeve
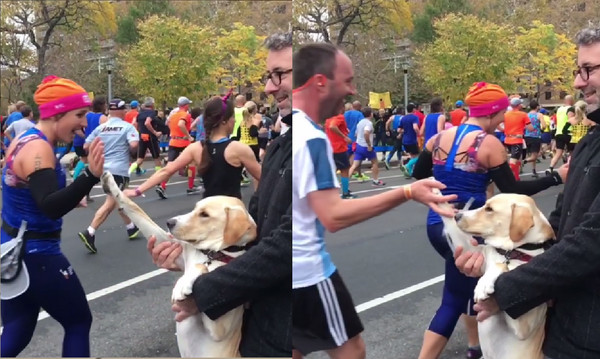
[554, 217]
[424, 166]
[506, 182]
[575, 258]
[262, 266]
[55, 203]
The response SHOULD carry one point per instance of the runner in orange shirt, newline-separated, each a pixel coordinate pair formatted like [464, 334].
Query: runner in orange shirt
[131, 115]
[337, 132]
[458, 116]
[179, 125]
[515, 123]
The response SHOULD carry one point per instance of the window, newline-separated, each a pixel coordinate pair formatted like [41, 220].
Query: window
[548, 95]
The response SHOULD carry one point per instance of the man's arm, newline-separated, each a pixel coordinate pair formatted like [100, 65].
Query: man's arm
[337, 131]
[148, 124]
[368, 139]
[183, 129]
[569, 263]
[263, 266]
[440, 123]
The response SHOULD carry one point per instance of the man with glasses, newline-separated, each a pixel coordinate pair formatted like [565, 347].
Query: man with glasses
[569, 272]
[262, 276]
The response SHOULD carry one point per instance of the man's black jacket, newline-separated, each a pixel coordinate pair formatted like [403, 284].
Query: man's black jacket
[263, 275]
[569, 272]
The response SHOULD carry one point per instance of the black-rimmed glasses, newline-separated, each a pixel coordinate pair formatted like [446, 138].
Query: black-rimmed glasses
[275, 76]
[584, 71]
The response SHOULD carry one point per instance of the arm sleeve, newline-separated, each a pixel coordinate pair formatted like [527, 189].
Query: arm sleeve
[424, 166]
[132, 134]
[263, 266]
[253, 131]
[55, 203]
[570, 262]
[318, 171]
[565, 130]
[505, 180]
[554, 217]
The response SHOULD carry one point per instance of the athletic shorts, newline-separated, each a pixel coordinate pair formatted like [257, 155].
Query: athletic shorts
[534, 144]
[362, 153]
[546, 137]
[342, 160]
[323, 316]
[412, 149]
[351, 148]
[516, 151]
[122, 182]
[80, 152]
[262, 142]
[152, 145]
[174, 152]
[562, 141]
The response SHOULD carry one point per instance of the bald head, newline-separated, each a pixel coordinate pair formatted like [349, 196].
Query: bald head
[356, 105]
[240, 100]
[569, 100]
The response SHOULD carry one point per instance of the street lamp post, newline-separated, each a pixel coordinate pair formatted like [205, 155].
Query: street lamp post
[405, 68]
[109, 68]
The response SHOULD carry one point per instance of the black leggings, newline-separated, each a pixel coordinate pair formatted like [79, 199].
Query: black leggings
[54, 287]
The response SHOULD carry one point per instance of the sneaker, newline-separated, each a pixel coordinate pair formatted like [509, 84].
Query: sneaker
[133, 232]
[348, 195]
[386, 164]
[161, 192]
[405, 172]
[139, 171]
[377, 183]
[245, 182]
[549, 171]
[474, 353]
[88, 240]
[543, 156]
[356, 176]
[193, 190]
[364, 178]
[534, 174]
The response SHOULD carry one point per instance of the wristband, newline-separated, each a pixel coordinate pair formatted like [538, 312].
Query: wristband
[138, 192]
[407, 191]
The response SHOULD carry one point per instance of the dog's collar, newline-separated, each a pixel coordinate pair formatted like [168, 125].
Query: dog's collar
[219, 256]
[516, 254]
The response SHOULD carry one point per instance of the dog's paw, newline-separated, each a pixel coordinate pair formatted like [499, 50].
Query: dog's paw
[182, 289]
[483, 290]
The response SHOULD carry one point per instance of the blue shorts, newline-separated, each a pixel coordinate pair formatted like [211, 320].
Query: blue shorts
[546, 137]
[362, 153]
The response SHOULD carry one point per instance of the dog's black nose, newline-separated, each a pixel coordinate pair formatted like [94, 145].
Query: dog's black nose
[458, 216]
[171, 223]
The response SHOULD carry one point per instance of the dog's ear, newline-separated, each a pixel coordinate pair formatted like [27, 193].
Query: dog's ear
[236, 226]
[521, 221]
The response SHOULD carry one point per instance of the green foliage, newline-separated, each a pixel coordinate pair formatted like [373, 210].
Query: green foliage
[467, 50]
[424, 31]
[172, 58]
[127, 32]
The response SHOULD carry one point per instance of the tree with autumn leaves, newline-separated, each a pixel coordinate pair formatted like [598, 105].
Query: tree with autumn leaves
[468, 49]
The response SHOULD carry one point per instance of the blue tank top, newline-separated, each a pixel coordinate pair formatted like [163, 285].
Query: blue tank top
[467, 179]
[18, 204]
[93, 121]
[537, 126]
[431, 125]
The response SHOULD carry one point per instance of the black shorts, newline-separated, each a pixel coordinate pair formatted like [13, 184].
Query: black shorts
[342, 160]
[323, 316]
[262, 142]
[79, 151]
[516, 151]
[122, 182]
[412, 149]
[151, 145]
[174, 152]
[534, 144]
[562, 141]
[256, 150]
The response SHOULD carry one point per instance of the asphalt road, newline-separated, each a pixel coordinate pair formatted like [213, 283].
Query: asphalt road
[390, 254]
[133, 319]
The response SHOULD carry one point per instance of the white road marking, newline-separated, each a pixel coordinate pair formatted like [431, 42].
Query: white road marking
[398, 294]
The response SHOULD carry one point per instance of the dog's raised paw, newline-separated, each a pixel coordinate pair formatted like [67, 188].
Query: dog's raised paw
[182, 289]
[483, 290]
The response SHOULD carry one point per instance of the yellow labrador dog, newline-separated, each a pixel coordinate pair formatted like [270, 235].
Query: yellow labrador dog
[211, 235]
[514, 231]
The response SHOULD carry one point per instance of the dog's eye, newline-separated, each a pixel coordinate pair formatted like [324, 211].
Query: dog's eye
[204, 214]
[489, 209]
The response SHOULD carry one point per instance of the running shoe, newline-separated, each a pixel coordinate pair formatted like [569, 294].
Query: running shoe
[364, 178]
[88, 240]
[474, 353]
[193, 190]
[348, 195]
[161, 192]
[386, 164]
[133, 232]
[377, 183]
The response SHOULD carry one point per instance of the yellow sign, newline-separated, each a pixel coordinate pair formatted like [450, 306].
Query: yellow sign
[91, 95]
[380, 100]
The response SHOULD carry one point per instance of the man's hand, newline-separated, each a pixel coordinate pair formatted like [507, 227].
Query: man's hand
[422, 192]
[184, 308]
[158, 134]
[348, 140]
[129, 192]
[370, 148]
[486, 308]
[165, 254]
[263, 130]
[469, 263]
